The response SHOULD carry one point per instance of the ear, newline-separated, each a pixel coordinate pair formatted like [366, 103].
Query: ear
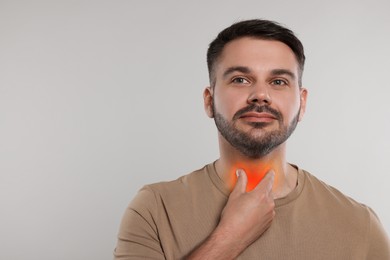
[303, 97]
[208, 101]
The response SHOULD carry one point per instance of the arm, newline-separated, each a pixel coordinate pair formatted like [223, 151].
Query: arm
[244, 219]
[379, 243]
[138, 236]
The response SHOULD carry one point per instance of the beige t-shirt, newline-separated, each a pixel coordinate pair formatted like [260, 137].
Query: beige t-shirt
[169, 220]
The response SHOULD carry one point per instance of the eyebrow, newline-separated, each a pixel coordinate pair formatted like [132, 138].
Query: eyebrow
[280, 72]
[241, 69]
[246, 70]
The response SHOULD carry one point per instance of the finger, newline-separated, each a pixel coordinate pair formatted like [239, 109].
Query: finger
[267, 182]
[242, 181]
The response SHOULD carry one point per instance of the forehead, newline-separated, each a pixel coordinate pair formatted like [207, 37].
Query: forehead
[257, 54]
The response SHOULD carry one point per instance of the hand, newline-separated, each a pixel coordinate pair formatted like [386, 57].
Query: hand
[243, 220]
[247, 215]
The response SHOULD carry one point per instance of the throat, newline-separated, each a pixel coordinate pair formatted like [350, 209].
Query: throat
[254, 173]
[285, 177]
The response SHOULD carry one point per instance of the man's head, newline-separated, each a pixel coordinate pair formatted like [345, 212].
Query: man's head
[259, 29]
[255, 96]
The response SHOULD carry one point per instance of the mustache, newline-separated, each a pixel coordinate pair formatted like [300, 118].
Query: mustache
[258, 109]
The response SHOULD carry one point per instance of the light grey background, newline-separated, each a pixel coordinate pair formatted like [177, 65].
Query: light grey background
[98, 98]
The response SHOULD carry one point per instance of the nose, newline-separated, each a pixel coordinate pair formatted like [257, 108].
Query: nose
[259, 94]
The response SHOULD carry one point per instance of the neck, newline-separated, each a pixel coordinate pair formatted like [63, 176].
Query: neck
[255, 169]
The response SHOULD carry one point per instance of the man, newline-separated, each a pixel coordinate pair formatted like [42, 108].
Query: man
[251, 203]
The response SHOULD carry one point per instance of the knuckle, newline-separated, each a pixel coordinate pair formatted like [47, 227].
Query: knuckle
[263, 197]
[271, 208]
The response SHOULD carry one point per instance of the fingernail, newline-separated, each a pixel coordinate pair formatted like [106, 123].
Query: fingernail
[238, 173]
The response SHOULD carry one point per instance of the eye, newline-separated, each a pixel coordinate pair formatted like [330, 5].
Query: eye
[279, 82]
[240, 80]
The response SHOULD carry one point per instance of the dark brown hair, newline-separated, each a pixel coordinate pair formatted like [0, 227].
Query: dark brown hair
[260, 29]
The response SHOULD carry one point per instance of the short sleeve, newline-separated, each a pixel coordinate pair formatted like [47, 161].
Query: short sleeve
[138, 236]
[379, 243]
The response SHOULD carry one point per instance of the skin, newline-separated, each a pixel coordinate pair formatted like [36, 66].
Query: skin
[249, 71]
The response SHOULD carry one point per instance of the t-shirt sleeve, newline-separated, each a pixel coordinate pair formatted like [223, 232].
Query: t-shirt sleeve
[138, 235]
[379, 243]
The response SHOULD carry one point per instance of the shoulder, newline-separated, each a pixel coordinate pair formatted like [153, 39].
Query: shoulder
[184, 183]
[378, 240]
[179, 189]
[320, 190]
[344, 216]
[333, 206]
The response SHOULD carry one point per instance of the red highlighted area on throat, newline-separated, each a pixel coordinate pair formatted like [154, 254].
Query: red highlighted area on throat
[254, 173]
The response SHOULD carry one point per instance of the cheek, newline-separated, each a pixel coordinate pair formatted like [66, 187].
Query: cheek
[290, 108]
[227, 105]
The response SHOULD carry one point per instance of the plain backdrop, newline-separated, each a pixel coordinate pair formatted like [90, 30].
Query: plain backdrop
[98, 98]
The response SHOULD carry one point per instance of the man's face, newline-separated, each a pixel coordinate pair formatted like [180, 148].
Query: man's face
[256, 101]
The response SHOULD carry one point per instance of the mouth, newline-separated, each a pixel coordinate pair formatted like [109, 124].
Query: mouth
[262, 117]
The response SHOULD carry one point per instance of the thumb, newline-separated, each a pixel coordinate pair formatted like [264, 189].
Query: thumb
[241, 183]
[267, 182]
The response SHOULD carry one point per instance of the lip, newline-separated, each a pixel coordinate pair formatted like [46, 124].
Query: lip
[258, 117]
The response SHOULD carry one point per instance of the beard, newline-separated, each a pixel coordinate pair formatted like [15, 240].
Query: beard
[249, 144]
